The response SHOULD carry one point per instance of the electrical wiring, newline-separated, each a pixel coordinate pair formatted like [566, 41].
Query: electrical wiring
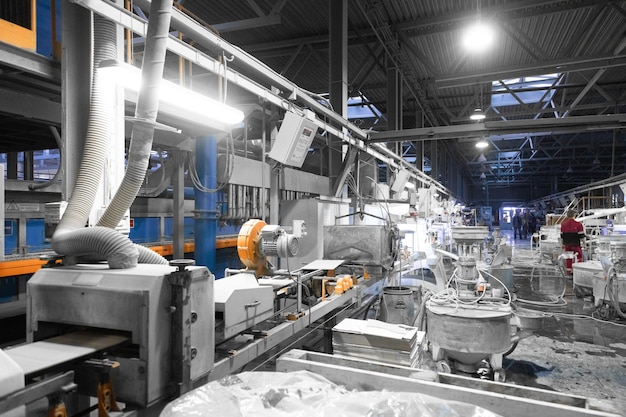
[557, 301]
[228, 168]
[610, 286]
[591, 317]
[508, 297]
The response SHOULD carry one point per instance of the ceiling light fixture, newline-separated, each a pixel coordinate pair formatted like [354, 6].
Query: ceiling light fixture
[174, 98]
[569, 169]
[481, 144]
[482, 176]
[477, 114]
[478, 37]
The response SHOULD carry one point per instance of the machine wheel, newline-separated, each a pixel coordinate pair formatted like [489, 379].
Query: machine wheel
[499, 375]
[443, 366]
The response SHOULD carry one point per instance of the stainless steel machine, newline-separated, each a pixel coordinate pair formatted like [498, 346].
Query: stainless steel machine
[155, 321]
[466, 322]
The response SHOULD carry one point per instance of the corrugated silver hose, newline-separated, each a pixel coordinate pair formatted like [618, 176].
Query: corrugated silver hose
[143, 129]
[71, 237]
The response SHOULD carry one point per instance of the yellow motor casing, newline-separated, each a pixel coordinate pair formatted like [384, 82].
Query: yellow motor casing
[247, 243]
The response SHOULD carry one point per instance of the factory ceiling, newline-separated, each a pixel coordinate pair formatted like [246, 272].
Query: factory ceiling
[551, 61]
[552, 84]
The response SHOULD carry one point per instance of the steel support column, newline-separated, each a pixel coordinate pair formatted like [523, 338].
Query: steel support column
[206, 214]
[178, 213]
[338, 78]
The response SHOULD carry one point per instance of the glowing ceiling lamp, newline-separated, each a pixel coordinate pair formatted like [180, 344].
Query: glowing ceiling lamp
[482, 144]
[477, 114]
[478, 37]
[180, 101]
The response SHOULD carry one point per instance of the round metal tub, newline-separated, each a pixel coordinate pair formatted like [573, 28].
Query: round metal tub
[397, 305]
[468, 334]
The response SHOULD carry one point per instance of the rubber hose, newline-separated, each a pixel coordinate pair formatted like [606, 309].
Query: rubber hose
[146, 112]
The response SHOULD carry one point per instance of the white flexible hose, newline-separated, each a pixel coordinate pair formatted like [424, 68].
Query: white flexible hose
[146, 112]
[70, 237]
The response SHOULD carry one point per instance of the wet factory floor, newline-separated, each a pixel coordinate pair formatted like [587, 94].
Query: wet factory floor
[573, 350]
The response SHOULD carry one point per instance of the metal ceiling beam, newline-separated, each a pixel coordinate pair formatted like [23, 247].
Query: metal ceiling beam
[567, 124]
[514, 10]
[523, 40]
[30, 106]
[537, 68]
[620, 47]
[255, 22]
[29, 62]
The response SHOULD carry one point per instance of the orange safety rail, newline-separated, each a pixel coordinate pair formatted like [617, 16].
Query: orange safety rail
[20, 267]
[20, 36]
[226, 242]
[30, 266]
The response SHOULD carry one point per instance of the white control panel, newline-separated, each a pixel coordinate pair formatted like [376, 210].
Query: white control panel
[293, 140]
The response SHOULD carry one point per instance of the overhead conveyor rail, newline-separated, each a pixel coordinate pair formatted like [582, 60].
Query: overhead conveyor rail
[347, 132]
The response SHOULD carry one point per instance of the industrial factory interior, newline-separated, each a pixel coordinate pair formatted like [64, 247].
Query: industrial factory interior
[313, 208]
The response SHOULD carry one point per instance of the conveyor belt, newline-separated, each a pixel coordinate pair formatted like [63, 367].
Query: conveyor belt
[38, 357]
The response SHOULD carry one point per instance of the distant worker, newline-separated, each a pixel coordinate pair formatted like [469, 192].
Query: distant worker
[572, 232]
[517, 225]
[532, 224]
[525, 225]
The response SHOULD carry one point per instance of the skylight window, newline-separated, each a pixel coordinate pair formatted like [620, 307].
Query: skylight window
[529, 90]
[360, 108]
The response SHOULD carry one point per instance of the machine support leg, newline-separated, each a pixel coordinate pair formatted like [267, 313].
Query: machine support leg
[182, 351]
[106, 398]
[330, 320]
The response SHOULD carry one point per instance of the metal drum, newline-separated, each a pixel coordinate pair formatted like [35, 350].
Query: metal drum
[468, 334]
[397, 306]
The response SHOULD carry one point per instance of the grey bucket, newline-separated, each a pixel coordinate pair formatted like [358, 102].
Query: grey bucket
[397, 305]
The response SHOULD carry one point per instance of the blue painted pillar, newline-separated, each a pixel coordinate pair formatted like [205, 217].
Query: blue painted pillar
[206, 214]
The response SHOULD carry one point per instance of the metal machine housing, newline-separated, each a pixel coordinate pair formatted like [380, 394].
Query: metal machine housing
[136, 300]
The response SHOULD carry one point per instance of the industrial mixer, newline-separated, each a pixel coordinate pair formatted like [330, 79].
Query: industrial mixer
[468, 324]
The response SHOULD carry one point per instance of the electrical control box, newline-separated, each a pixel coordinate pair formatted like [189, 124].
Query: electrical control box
[293, 140]
[53, 212]
[400, 181]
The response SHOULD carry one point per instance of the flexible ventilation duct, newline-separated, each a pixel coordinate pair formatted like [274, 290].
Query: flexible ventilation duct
[71, 237]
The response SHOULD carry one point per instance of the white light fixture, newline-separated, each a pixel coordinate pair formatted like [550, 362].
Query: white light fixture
[481, 144]
[477, 114]
[482, 176]
[176, 99]
[569, 169]
[478, 37]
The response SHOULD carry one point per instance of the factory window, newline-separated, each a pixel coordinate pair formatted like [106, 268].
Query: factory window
[17, 11]
[360, 108]
[45, 164]
[528, 90]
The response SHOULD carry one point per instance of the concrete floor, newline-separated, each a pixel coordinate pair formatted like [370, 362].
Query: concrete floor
[574, 351]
